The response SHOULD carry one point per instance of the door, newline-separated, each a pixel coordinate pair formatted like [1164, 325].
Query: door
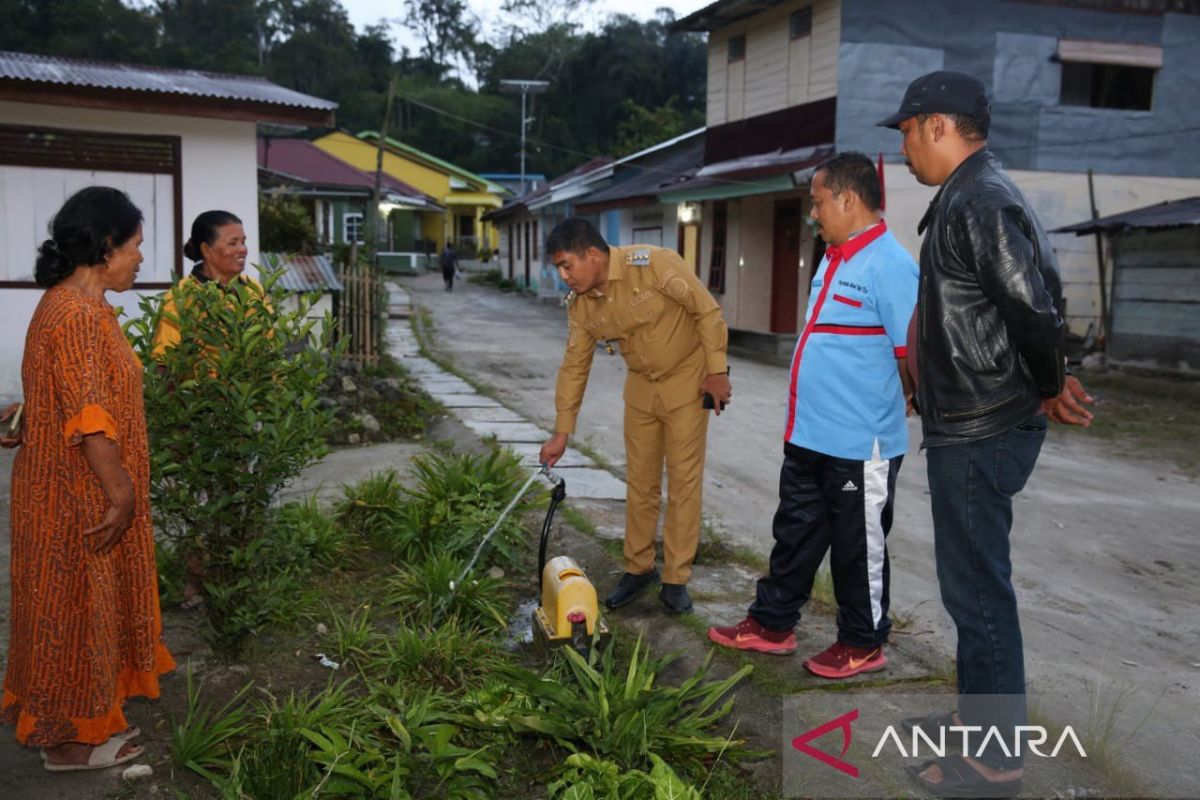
[526, 227]
[785, 265]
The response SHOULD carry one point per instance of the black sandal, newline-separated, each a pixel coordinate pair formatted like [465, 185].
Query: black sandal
[960, 779]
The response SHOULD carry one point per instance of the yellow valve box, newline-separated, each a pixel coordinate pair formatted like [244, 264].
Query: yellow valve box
[568, 600]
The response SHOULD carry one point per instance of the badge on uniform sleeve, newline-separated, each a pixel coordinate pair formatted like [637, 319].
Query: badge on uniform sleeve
[638, 258]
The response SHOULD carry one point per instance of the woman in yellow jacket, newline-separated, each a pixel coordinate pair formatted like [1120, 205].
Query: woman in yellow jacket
[218, 249]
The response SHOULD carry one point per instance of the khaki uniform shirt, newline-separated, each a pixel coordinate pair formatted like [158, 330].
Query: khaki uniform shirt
[664, 320]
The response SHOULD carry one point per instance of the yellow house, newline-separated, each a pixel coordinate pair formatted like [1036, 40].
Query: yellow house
[466, 196]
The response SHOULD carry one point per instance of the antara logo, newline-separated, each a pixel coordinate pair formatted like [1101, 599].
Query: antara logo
[801, 743]
[1034, 737]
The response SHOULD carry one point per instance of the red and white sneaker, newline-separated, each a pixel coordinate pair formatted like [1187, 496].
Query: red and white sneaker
[843, 661]
[749, 635]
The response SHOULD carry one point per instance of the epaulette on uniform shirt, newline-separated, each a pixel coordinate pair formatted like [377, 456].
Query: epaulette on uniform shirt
[638, 258]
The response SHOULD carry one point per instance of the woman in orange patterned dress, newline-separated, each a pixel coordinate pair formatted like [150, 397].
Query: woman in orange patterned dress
[85, 629]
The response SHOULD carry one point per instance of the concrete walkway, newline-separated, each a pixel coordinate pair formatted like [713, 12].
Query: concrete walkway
[1104, 549]
[486, 417]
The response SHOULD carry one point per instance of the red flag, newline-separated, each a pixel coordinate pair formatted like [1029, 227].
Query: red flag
[882, 190]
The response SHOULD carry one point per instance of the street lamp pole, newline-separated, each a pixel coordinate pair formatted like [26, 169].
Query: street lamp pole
[526, 88]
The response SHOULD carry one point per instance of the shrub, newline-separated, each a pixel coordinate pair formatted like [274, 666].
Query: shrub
[426, 593]
[451, 657]
[622, 715]
[284, 224]
[373, 507]
[457, 499]
[201, 741]
[232, 414]
[303, 535]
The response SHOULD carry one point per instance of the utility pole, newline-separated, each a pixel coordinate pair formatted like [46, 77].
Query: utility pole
[526, 88]
[372, 217]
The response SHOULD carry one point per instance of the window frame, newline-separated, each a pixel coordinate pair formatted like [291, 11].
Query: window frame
[800, 13]
[360, 238]
[729, 48]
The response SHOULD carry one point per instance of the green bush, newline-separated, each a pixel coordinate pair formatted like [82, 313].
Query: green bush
[201, 741]
[402, 744]
[457, 499]
[302, 535]
[451, 657]
[619, 714]
[232, 414]
[426, 592]
[585, 777]
[284, 224]
[373, 507]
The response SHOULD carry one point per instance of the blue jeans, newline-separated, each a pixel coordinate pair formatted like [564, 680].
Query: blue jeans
[971, 488]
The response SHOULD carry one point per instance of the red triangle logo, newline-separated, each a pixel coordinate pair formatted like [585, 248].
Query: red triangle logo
[801, 743]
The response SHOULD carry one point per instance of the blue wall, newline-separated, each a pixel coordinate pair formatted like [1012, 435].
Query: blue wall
[1009, 46]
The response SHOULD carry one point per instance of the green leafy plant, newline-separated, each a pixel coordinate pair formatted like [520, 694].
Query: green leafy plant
[622, 715]
[201, 741]
[374, 506]
[284, 224]
[352, 637]
[232, 414]
[426, 592]
[451, 657]
[303, 535]
[457, 499]
[586, 777]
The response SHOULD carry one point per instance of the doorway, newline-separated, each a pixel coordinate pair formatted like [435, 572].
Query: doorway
[785, 265]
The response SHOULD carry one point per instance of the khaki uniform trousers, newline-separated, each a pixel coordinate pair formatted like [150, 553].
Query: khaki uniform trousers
[680, 437]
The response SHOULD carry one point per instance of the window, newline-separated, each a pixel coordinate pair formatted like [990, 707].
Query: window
[1107, 86]
[737, 48]
[40, 167]
[716, 264]
[650, 236]
[352, 229]
[1108, 74]
[800, 23]
[326, 222]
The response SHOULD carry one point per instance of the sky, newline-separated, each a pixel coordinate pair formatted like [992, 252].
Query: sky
[368, 12]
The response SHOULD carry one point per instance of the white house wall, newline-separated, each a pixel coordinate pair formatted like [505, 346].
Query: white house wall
[219, 170]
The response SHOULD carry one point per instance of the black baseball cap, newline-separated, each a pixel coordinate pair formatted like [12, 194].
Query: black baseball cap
[942, 92]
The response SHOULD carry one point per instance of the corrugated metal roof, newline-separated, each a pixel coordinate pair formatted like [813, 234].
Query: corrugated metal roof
[657, 175]
[1171, 214]
[305, 273]
[305, 161]
[131, 77]
[720, 14]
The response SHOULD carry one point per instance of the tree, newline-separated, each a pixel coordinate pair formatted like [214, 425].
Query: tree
[215, 35]
[645, 127]
[447, 27]
[93, 29]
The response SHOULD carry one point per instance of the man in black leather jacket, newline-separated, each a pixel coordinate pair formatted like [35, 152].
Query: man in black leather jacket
[990, 353]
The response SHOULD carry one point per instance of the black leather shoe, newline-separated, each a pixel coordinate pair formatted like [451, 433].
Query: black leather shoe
[675, 597]
[629, 587]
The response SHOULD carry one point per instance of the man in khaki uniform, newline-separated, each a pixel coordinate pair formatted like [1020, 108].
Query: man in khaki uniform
[648, 303]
